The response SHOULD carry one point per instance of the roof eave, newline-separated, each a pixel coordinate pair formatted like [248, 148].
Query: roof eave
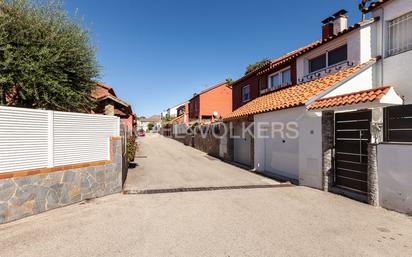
[391, 98]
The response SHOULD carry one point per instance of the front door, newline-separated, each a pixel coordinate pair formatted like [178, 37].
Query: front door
[352, 136]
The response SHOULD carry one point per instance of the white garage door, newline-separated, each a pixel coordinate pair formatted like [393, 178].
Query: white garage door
[242, 147]
[282, 156]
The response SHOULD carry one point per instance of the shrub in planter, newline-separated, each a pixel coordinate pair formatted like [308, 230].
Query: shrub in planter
[131, 148]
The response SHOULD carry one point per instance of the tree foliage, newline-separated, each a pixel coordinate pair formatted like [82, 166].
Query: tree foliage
[131, 148]
[255, 66]
[46, 59]
[229, 81]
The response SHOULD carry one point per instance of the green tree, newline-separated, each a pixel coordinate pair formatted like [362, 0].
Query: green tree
[229, 81]
[150, 126]
[46, 59]
[166, 118]
[255, 66]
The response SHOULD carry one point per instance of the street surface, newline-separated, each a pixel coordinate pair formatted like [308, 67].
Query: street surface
[275, 221]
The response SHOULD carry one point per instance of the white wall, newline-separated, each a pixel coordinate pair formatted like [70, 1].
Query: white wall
[31, 139]
[395, 177]
[362, 81]
[359, 49]
[297, 158]
[397, 68]
[353, 41]
[172, 112]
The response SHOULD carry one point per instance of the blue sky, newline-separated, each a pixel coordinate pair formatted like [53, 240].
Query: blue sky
[158, 53]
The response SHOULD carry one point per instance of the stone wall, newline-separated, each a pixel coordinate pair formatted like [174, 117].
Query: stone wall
[203, 138]
[328, 130]
[205, 141]
[22, 196]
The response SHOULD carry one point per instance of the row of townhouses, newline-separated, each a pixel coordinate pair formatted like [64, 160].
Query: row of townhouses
[335, 115]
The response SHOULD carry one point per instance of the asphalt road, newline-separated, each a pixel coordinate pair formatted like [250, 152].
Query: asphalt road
[279, 221]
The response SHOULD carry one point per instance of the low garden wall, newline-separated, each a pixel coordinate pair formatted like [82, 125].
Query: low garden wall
[206, 138]
[26, 193]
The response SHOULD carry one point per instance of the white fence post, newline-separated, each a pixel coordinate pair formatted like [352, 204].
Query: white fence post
[50, 139]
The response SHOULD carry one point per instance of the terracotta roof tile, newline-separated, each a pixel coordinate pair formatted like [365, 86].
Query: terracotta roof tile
[365, 96]
[102, 90]
[293, 96]
[374, 5]
[178, 120]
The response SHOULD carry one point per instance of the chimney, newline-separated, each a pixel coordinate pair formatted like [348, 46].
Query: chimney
[340, 22]
[327, 28]
[334, 24]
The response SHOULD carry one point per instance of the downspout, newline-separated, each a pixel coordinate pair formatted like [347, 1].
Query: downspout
[382, 45]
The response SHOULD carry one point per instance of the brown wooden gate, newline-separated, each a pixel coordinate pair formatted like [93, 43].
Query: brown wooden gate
[352, 136]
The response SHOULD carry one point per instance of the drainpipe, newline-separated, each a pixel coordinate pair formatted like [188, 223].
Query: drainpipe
[382, 21]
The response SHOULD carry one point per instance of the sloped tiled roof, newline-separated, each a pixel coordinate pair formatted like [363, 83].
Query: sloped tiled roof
[101, 90]
[364, 96]
[374, 5]
[293, 96]
[296, 53]
[178, 120]
[278, 61]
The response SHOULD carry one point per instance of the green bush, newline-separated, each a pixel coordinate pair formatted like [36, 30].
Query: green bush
[47, 59]
[131, 148]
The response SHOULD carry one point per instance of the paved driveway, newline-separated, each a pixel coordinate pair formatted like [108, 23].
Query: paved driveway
[279, 221]
[167, 164]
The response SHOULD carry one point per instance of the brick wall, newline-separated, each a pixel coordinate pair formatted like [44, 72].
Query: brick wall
[253, 82]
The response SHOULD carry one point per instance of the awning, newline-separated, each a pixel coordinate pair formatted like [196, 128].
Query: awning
[372, 98]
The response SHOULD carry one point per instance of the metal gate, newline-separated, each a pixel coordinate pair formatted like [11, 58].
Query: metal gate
[352, 136]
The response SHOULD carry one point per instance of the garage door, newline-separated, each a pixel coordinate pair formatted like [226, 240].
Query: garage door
[282, 157]
[242, 147]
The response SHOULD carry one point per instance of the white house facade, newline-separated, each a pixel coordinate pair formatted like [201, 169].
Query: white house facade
[351, 107]
[382, 170]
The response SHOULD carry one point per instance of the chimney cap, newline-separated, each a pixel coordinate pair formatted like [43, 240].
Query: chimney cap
[328, 20]
[340, 13]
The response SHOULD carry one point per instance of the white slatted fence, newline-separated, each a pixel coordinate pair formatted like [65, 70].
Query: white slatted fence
[31, 139]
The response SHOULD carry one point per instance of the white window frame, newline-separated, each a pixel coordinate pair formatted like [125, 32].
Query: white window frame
[250, 97]
[326, 51]
[401, 49]
[280, 77]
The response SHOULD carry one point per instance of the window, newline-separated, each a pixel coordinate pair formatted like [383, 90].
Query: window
[246, 93]
[279, 78]
[398, 123]
[328, 59]
[260, 85]
[338, 55]
[317, 63]
[400, 35]
[286, 76]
